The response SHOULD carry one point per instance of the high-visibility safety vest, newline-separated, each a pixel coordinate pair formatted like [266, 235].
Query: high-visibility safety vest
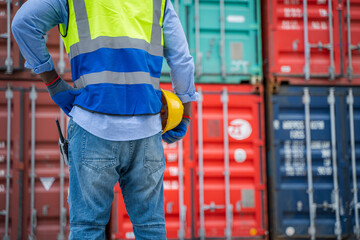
[115, 48]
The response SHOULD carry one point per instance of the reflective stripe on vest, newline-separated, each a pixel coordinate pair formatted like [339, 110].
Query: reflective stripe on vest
[115, 48]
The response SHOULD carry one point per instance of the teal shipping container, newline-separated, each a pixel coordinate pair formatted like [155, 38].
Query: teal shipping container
[224, 39]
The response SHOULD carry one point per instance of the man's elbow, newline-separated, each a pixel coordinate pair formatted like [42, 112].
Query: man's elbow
[16, 25]
[20, 23]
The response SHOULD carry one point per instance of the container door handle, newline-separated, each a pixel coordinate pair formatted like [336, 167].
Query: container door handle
[330, 46]
[33, 97]
[198, 66]
[331, 101]
[9, 61]
[225, 100]
[181, 232]
[201, 166]
[310, 190]
[350, 102]
[306, 41]
[9, 96]
[222, 39]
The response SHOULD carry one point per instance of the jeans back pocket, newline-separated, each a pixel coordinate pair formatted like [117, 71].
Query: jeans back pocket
[97, 153]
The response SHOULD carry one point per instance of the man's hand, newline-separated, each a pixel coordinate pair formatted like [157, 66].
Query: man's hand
[178, 132]
[61, 92]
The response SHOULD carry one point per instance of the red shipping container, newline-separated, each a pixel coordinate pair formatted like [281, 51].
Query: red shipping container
[230, 187]
[247, 180]
[37, 206]
[351, 34]
[301, 53]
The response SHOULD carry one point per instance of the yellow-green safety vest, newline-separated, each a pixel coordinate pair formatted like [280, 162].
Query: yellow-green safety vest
[115, 48]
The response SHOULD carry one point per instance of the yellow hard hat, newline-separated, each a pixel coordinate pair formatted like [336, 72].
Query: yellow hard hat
[174, 109]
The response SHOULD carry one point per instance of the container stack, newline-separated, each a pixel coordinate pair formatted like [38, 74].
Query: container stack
[215, 179]
[272, 146]
[313, 102]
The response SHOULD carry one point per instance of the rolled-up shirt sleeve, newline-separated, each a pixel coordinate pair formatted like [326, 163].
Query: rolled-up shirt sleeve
[29, 28]
[176, 52]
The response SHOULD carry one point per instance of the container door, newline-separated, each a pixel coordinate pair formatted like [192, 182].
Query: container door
[45, 178]
[11, 172]
[304, 39]
[225, 40]
[38, 179]
[230, 188]
[307, 164]
[352, 36]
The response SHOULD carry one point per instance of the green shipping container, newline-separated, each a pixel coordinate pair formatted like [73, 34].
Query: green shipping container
[224, 39]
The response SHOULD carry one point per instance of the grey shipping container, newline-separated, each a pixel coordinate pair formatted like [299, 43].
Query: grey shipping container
[313, 162]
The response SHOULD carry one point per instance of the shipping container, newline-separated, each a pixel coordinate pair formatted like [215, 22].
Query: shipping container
[34, 191]
[221, 190]
[312, 168]
[305, 41]
[229, 156]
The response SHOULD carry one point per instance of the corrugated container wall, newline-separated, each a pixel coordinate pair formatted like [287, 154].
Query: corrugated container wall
[312, 42]
[229, 158]
[313, 172]
[33, 193]
[215, 186]
[224, 39]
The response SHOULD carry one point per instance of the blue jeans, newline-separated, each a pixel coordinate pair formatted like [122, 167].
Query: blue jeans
[95, 165]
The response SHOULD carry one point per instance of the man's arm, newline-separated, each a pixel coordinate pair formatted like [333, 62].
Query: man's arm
[30, 24]
[29, 27]
[176, 52]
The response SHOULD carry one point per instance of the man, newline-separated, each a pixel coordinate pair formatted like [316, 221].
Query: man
[115, 49]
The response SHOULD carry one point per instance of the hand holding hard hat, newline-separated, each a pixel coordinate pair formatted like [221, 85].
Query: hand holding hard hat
[174, 125]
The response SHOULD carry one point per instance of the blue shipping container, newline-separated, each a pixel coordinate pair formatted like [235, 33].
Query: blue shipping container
[313, 145]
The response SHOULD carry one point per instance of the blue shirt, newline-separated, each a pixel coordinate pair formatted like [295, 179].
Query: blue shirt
[36, 17]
